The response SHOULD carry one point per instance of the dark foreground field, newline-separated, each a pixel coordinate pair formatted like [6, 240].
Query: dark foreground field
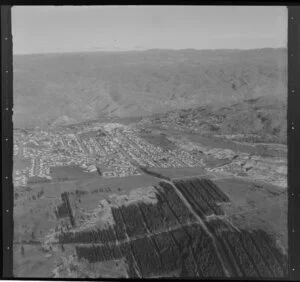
[192, 227]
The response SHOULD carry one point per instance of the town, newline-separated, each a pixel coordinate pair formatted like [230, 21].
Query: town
[110, 149]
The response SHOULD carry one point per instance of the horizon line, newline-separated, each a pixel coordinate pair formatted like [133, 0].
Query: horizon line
[145, 50]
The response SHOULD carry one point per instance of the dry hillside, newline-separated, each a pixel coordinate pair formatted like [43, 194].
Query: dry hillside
[67, 88]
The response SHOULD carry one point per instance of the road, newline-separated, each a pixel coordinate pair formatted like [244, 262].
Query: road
[203, 225]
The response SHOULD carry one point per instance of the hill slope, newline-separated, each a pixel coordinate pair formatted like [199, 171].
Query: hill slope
[83, 86]
[262, 119]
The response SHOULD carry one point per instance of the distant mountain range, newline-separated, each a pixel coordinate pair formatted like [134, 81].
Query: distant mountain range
[55, 89]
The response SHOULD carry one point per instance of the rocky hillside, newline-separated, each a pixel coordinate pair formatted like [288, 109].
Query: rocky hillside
[83, 86]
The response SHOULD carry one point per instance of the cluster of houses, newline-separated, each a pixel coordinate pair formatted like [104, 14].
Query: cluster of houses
[116, 151]
[20, 178]
[147, 154]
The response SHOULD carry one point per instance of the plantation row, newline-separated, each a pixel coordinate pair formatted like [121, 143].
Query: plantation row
[99, 253]
[168, 212]
[271, 254]
[61, 211]
[137, 220]
[105, 253]
[179, 209]
[147, 258]
[119, 224]
[249, 254]
[168, 251]
[65, 210]
[88, 236]
[202, 195]
[65, 199]
[133, 219]
[132, 267]
[201, 204]
[189, 251]
[197, 251]
[216, 192]
[207, 258]
[217, 226]
[153, 215]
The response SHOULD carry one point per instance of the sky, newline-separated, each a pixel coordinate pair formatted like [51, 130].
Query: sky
[51, 29]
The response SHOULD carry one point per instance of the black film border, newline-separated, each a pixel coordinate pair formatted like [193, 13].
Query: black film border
[6, 141]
